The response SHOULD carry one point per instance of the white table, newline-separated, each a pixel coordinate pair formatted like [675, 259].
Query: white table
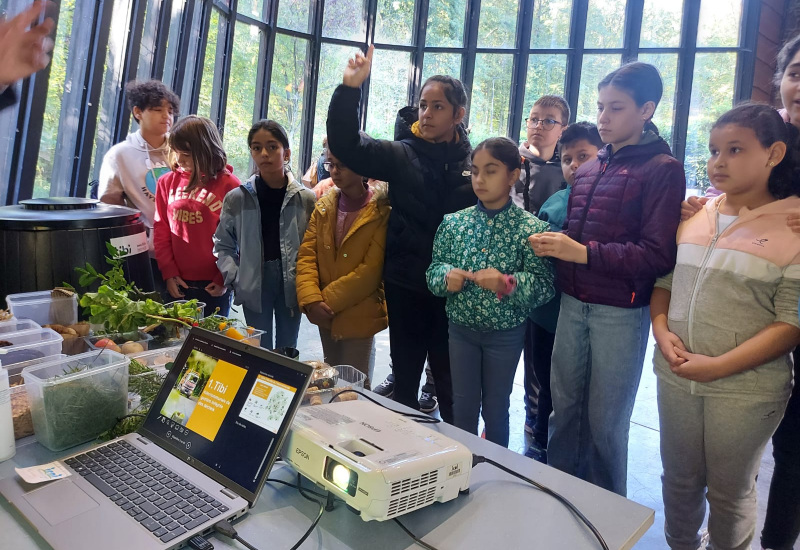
[500, 512]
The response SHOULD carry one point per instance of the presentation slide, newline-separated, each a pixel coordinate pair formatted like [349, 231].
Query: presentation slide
[203, 393]
[268, 402]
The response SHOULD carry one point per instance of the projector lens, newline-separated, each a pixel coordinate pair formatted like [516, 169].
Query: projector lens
[341, 477]
[345, 479]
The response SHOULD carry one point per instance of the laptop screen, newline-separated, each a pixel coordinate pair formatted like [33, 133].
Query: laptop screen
[225, 408]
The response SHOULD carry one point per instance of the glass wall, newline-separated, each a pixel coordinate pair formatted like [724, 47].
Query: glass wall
[239, 60]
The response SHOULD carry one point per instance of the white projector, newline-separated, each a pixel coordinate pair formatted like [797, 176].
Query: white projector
[380, 463]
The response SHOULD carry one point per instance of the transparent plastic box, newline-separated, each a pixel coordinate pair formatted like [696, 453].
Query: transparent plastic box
[138, 337]
[347, 377]
[146, 382]
[18, 325]
[44, 307]
[249, 335]
[76, 398]
[20, 406]
[201, 306]
[29, 345]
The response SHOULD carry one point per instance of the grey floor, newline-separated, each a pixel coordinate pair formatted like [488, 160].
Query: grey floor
[644, 463]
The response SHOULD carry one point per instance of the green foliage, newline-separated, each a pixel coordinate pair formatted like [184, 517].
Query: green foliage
[446, 24]
[55, 90]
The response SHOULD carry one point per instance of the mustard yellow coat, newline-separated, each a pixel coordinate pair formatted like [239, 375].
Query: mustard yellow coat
[350, 279]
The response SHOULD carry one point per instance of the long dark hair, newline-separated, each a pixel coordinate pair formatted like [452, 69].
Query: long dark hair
[641, 81]
[199, 136]
[769, 128]
[277, 131]
[454, 90]
[785, 56]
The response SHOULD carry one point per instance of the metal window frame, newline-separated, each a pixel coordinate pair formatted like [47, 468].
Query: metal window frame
[192, 41]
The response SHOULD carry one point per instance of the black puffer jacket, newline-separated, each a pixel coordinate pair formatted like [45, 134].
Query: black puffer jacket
[426, 181]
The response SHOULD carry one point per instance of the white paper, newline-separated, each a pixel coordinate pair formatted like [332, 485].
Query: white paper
[43, 472]
[131, 244]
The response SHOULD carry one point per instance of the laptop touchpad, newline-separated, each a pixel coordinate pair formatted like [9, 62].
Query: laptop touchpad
[60, 501]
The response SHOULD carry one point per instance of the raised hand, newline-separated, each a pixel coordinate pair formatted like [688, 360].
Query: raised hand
[24, 50]
[358, 69]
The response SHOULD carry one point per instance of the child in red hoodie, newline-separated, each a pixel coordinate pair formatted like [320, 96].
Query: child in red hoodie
[188, 203]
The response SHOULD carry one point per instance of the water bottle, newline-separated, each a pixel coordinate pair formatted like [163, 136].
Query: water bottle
[7, 445]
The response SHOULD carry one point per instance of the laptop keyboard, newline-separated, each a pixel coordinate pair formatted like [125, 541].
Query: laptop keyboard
[159, 499]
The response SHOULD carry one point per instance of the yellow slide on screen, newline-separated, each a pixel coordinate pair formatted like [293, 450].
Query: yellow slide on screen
[215, 401]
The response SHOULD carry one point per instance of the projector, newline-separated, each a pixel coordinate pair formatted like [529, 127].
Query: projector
[380, 463]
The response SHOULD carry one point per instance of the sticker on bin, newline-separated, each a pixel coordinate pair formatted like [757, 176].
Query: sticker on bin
[43, 472]
[130, 244]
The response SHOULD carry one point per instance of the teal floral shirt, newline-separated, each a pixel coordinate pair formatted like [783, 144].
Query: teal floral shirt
[471, 240]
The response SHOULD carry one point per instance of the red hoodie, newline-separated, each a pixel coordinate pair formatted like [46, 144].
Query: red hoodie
[185, 223]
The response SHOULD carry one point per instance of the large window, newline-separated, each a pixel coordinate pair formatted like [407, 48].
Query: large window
[240, 60]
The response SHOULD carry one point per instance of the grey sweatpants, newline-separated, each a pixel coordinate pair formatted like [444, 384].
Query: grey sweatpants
[711, 447]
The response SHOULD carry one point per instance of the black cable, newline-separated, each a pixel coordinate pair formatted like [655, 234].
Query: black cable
[319, 515]
[414, 537]
[293, 486]
[225, 528]
[421, 418]
[477, 459]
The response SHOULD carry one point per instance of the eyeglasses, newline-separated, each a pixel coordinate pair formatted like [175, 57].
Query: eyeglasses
[547, 123]
[329, 166]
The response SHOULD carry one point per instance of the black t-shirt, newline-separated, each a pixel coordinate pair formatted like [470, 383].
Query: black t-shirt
[270, 201]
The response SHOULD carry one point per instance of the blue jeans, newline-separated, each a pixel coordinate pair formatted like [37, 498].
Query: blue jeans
[273, 302]
[596, 368]
[483, 366]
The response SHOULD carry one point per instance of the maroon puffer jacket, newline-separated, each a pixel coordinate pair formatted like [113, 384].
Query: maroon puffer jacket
[625, 208]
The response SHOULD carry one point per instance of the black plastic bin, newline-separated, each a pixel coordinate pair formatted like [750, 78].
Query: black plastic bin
[42, 241]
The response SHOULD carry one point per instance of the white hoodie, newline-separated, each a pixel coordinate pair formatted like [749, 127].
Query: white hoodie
[129, 174]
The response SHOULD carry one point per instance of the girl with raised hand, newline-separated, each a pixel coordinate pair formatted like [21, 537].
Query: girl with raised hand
[622, 216]
[427, 168]
[260, 231]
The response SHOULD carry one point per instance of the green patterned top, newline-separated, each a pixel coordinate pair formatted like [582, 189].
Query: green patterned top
[472, 240]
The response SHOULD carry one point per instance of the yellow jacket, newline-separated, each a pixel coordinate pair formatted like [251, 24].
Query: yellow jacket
[349, 280]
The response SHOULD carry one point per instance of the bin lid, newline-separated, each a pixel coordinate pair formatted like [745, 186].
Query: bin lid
[65, 213]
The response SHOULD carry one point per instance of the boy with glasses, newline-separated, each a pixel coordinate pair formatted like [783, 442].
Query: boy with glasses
[540, 177]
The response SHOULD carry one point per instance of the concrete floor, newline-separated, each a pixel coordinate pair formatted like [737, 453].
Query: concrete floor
[644, 463]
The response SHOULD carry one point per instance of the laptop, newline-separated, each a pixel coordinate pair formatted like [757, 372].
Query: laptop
[202, 455]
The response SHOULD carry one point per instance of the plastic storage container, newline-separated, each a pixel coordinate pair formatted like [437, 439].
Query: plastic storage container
[345, 377]
[28, 345]
[146, 382]
[240, 332]
[139, 337]
[18, 325]
[76, 398]
[201, 306]
[20, 406]
[45, 307]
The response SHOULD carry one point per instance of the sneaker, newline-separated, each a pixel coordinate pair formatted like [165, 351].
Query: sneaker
[385, 388]
[428, 402]
[530, 422]
[536, 452]
[704, 539]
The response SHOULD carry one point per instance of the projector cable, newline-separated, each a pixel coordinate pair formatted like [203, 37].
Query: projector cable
[417, 540]
[417, 417]
[478, 459]
[226, 528]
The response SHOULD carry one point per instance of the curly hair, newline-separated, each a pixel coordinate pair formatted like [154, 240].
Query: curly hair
[148, 94]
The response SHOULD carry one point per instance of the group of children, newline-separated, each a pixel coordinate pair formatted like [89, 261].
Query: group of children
[465, 263]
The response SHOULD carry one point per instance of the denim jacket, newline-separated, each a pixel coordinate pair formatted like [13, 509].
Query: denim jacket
[238, 246]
